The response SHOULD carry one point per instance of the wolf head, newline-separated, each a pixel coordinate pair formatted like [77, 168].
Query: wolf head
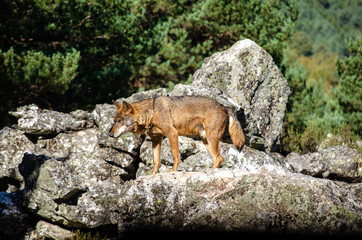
[123, 120]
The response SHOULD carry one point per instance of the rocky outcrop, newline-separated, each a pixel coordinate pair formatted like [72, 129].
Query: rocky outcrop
[270, 199]
[61, 171]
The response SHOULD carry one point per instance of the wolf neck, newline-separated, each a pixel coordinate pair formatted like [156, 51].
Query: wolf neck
[144, 114]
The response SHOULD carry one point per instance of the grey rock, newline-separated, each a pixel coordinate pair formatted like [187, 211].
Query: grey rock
[246, 78]
[145, 95]
[13, 145]
[45, 230]
[81, 150]
[67, 179]
[33, 120]
[338, 162]
[207, 91]
[72, 181]
[187, 147]
[57, 193]
[268, 200]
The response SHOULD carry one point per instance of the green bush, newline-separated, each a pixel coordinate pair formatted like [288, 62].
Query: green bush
[303, 142]
[33, 76]
[30, 69]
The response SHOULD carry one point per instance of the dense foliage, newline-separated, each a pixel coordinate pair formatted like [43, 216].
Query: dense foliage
[73, 54]
[323, 70]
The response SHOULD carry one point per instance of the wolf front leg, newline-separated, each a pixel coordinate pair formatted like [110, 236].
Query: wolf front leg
[156, 148]
[173, 138]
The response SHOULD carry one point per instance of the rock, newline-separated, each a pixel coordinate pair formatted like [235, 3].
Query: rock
[268, 200]
[70, 180]
[81, 150]
[195, 157]
[33, 120]
[45, 230]
[337, 163]
[13, 145]
[187, 147]
[246, 78]
[57, 193]
[66, 178]
[145, 95]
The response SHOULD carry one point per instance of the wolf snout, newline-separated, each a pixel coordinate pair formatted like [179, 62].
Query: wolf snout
[110, 133]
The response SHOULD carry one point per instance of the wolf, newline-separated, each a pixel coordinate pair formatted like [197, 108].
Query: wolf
[173, 116]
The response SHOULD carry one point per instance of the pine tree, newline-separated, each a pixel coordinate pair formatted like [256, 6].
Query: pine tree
[193, 30]
[349, 93]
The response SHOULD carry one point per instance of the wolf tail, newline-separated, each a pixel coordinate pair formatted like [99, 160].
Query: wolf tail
[235, 130]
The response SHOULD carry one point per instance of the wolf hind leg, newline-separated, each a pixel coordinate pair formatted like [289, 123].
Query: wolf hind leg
[212, 145]
[215, 152]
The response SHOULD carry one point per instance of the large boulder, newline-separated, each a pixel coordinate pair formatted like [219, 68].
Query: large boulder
[69, 179]
[268, 200]
[245, 78]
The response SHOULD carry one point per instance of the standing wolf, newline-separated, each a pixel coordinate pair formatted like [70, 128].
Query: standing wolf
[174, 116]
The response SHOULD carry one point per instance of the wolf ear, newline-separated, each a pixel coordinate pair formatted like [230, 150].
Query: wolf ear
[127, 107]
[118, 105]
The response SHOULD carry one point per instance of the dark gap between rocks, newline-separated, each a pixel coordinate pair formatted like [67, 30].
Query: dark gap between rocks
[35, 138]
[71, 198]
[5, 182]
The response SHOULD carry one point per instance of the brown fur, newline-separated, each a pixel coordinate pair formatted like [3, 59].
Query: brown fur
[174, 116]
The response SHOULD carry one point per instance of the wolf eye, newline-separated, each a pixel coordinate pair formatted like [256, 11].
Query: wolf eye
[119, 120]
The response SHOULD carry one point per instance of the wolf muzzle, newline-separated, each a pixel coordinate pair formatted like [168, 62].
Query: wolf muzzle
[110, 133]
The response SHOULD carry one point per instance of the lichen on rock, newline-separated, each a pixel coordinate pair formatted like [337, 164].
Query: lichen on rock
[268, 200]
